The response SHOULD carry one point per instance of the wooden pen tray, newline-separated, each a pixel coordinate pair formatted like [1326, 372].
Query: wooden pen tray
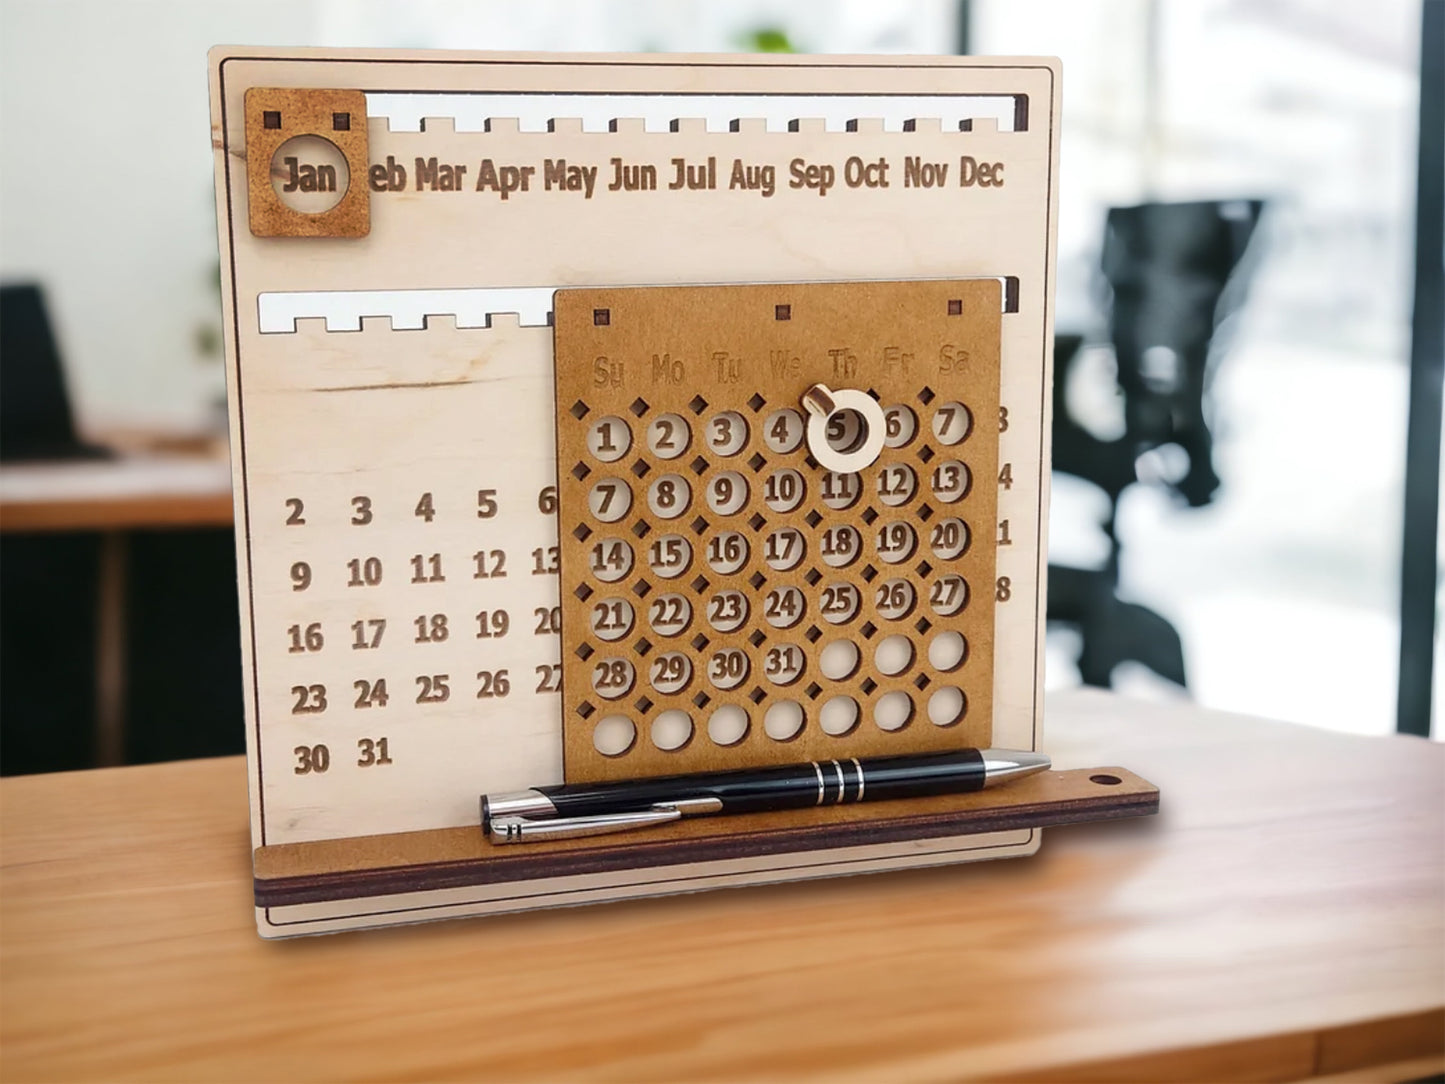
[450, 858]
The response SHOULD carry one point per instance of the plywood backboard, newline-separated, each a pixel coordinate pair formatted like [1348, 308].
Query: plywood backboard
[393, 404]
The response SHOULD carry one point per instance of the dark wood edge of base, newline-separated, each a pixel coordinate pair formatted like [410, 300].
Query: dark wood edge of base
[614, 854]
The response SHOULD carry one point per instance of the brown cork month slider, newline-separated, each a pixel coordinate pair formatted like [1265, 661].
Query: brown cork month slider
[277, 114]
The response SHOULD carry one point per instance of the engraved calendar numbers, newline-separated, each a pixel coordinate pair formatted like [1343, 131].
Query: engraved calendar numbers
[404, 591]
[545, 561]
[490, 564]
[363, 572]
[372, 751]
[368, 632]
[493, 624]
[310, 699]
[312, 758]
[718, 575]
[371, 694]
[702, 593]
[432, 628]
[310, 640]
[715, 558]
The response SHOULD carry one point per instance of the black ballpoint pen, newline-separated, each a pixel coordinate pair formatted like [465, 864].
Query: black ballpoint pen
[588, 809]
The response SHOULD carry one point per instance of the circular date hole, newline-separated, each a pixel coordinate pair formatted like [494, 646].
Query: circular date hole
[668, 436]
[784, 720]
[839, 602]
[727, 493]
[947, 651]
[670, 672]
[894, 599]
[612, 618]
[727, 433]
[902, 426]
[613, 735]
[613, 679]
[896, 484]
[838, 716]
[896, 542]
[893, 655]
[951, 423]
[784, 607]
[947, 706]
[784, 549]
[727, 611]
[668, 496]
[728, 668]
[950, 481]
[609, 500]
[608, 439]
[893, 711]
[672, 729]
[839, 490]
[784, 490]
[839, 660]
[610, 559]
[783, 664]
[727, 552]
[840, 546]
[668, 615]
[948, 538]
[728, 725]
[669, 556]
[783, 431]
[846, 431]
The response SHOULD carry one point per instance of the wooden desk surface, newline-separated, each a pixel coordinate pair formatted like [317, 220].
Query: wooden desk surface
[127, 492]
[1283, 917]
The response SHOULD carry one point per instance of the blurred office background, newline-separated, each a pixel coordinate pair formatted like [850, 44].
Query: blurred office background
[1282, 585]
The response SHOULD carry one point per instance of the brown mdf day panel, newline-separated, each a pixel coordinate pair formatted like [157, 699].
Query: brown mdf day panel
[728, 600]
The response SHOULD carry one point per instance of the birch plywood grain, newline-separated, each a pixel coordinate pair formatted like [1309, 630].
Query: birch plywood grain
[722, 563]
[1283, 917]
[395, 516]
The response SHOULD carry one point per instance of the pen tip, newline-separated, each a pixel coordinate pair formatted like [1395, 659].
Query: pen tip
[1006, 765]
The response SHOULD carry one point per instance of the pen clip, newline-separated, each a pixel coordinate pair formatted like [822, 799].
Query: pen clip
[529, 829]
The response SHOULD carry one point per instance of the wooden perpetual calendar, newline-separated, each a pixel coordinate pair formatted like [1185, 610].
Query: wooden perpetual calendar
[606, 418]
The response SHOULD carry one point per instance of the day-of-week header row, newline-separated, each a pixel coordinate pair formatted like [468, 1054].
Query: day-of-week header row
[723, 367]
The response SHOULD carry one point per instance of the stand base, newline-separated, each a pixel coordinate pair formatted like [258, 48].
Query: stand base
[451, 858]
